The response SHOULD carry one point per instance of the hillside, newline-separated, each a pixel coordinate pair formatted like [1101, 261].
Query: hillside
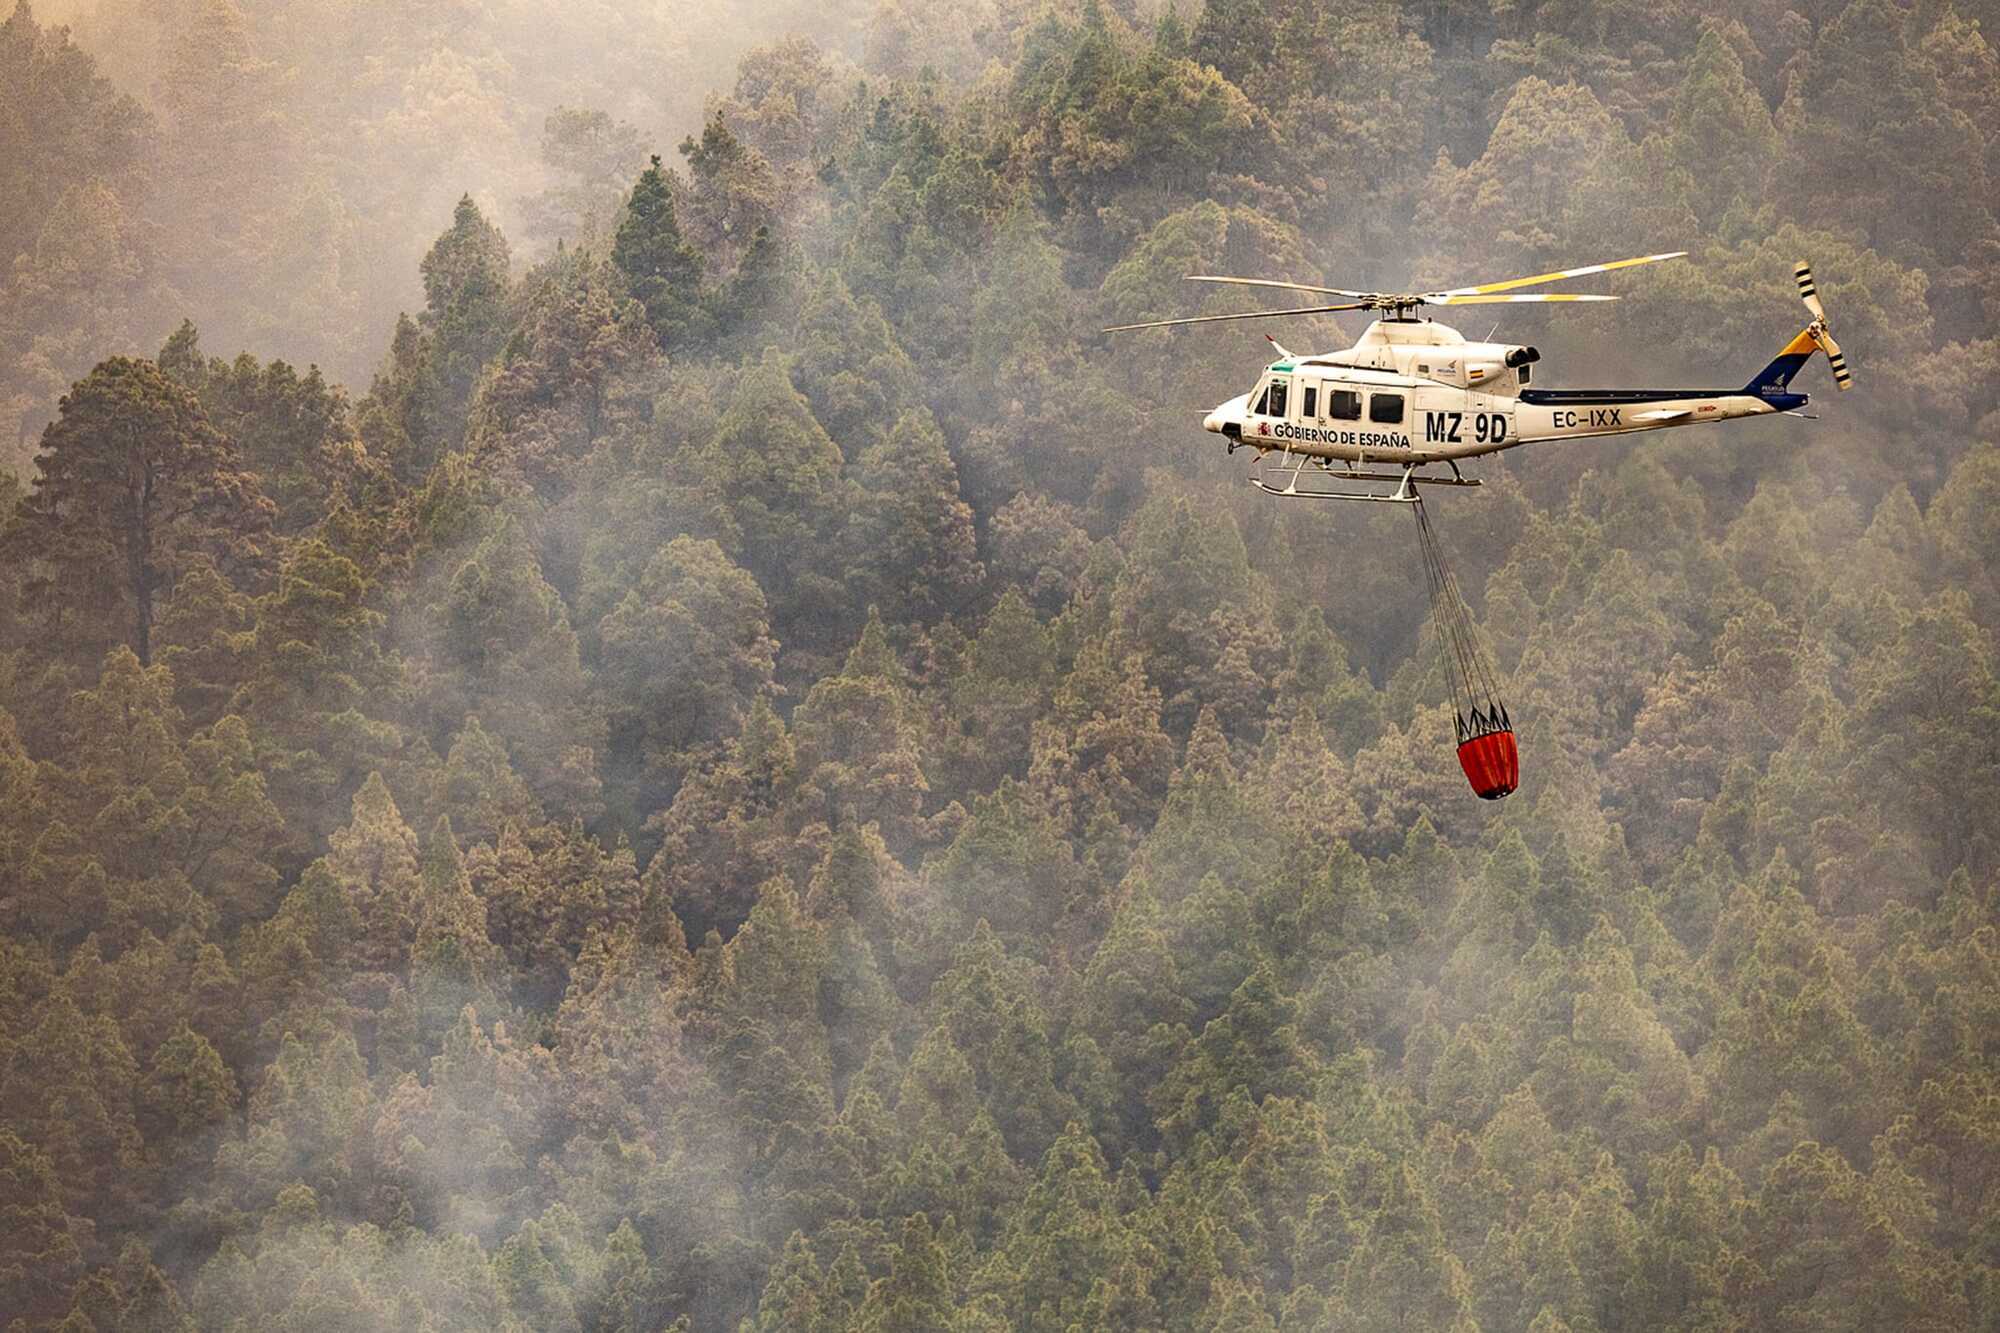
[739, 766]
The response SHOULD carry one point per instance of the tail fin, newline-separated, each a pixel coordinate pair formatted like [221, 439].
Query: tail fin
[1775, 379]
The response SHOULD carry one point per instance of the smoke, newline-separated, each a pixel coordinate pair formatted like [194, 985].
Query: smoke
[503, 1158]
[304, 157]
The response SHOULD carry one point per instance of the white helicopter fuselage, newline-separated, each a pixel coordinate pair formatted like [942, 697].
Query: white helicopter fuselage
[1411, 392]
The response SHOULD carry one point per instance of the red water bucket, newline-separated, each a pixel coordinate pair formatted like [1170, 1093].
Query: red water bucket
[1492, 764]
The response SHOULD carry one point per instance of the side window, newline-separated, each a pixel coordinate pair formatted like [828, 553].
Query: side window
[1386, 408]
[1257, 407]
[1309, 402]
[1278, 388]
[1343, 405]
[1526, 374]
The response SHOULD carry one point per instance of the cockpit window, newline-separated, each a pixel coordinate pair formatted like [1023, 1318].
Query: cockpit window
[1277, 408]
[1343, 405]
[1257, 407]
[1385, 407]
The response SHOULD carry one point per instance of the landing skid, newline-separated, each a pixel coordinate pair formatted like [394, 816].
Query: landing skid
[1298, 477]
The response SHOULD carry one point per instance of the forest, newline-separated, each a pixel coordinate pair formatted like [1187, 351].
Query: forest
[616, 713]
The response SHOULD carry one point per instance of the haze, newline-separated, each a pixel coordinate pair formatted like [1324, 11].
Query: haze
[616, 713]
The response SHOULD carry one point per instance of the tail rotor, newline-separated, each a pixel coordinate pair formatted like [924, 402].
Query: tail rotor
[1817, 331]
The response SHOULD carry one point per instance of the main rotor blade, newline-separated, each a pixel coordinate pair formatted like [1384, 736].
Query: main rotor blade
[1808, 290]
[1217, 319]
[1509, 300]
[1273, 282]
[1585, 271]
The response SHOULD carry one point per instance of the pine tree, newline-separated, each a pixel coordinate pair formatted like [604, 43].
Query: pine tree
[547, 890]
[917, 1293]
[222, 103]
[482, 793]
[467, 286]
[784, 518]
[685, 653]
[662, 270]
[403, 420]
[857, 731]
[41, 1244]
[910, 539]
[1011, 867]
[501, 645]
[1720, 132]
[187, 1090]
[313, 664]
[293, 431]
[131, 485]
[848, 363]
[451, 955]
[558, 388]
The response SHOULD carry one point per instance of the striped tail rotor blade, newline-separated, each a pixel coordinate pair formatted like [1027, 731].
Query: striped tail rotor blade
[1808, 291]
[1841, 376]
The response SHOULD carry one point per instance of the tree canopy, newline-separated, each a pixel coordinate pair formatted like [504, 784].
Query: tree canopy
[614, 741]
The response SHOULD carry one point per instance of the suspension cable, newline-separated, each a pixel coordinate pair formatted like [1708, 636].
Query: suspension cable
[1475, 695]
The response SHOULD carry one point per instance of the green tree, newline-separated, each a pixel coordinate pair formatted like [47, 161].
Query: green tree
[176, 830]
[1720, 133]
[592, 156]
[1520, 204]
[1189, 603]
[1011, 867]
[854, 373]
[1066, 1232]
[71, 1096]
[917, 1293]
[499, 643]
[482, 793]
[295, 432]
[132, 484]
[662, 270]
[1880, 89]
[42, 1252]
[374, 862]
[858, 743]
[726, 831]
[546, 891]
[910, 538]
[467, 286]
[314, 677]
[684, 655]
[782, 519]
[1400, 1272]
[558, 388]
[1931, 702]
[404, 419]
[188, 1090]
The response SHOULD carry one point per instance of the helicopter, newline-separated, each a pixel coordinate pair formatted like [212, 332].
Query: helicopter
[1412, 393]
